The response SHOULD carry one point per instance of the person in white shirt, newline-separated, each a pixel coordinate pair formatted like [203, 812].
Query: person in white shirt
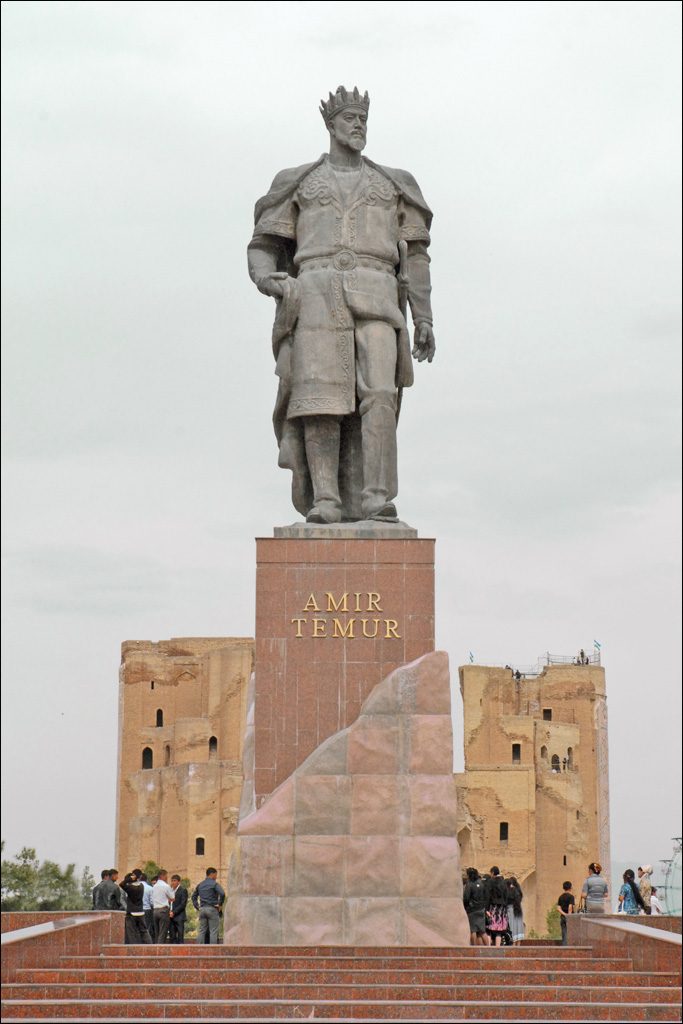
[162, 898]
[655, 904]
[147, 904]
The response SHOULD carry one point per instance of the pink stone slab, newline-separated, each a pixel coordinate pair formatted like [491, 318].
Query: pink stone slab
[378, 805]
[430, 866]
[431, 745]
[275, 816]
[373, 866]
[433, 805]
[374, 746]
[313, 921]
[318, 866]
[322, 804]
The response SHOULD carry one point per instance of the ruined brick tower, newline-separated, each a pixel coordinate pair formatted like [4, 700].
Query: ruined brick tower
[534, 796]
[181, 724]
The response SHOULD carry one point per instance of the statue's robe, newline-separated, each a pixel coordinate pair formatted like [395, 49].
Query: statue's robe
[340, 248]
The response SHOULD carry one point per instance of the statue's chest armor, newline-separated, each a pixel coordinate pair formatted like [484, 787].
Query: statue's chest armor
[360, 216]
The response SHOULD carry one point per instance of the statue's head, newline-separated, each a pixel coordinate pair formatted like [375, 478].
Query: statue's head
[346, 117]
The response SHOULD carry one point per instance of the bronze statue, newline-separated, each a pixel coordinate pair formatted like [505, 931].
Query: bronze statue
[341, 244]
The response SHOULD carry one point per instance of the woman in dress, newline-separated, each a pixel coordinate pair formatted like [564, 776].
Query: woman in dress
[595, 890]
[496, 914]
[630, 900]
[514, 910]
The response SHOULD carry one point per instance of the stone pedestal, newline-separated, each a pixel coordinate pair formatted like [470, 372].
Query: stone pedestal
[337, 609]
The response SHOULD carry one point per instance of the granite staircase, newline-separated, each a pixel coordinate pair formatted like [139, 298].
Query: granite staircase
[215, 983]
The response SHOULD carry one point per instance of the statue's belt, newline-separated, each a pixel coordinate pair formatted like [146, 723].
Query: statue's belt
[346, 260]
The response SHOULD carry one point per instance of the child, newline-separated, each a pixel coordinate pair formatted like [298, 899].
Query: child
[565, 905]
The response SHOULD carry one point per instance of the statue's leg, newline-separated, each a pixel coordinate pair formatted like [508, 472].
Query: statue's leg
[375, 382]
[321, 436]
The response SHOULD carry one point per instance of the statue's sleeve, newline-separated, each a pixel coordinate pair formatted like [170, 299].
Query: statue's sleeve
[279, 220]
[273, 242]
[414, 229]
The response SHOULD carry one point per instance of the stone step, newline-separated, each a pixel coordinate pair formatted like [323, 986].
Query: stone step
[196, 958]
[361, 952]
[489, 993]
[411, 1010]
[181, 975]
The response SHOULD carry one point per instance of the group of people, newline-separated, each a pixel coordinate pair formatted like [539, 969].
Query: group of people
[634, 897]
[494, 908]
[155, 910]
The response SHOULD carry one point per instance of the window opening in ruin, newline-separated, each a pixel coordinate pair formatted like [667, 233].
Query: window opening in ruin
[213, 748]
[578, 815]
[547, 714]
[151, 685]
[564, 860]
[516, 753]
[160, 718]
[544, 753]
[570, 757]
[147, 758]
[555, 763]
[199, 846]
[503, 832]
[167, 754]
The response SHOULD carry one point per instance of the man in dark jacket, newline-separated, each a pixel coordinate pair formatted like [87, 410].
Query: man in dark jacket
[178, 914]
[208, 898]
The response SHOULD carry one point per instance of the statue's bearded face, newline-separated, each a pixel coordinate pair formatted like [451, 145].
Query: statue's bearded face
[350, 128]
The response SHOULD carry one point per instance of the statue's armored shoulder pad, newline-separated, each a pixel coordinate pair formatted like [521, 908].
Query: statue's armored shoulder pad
[401, 177]
[291, 176]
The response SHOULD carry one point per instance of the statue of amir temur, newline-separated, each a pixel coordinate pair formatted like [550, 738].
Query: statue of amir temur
[341, 244]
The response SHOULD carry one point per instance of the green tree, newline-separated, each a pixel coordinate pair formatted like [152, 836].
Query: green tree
[28, 884]
[552, 921]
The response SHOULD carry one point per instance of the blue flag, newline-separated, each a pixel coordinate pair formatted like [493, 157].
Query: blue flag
[471, 658]
[597, 645]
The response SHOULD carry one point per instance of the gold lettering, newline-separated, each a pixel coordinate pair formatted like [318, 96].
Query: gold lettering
[357, 607]
[373, 602]
[392, 627]
[340, 630]
[341, 606]
[311, 605]
[319, 626]
[370, 636]
[298, 626]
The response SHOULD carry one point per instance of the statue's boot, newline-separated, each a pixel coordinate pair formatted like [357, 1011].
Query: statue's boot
[322, 436]
[380, 479]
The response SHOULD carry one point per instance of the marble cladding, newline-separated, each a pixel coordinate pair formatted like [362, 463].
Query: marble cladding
[358, 845]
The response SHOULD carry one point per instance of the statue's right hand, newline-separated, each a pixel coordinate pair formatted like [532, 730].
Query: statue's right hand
[271, 284]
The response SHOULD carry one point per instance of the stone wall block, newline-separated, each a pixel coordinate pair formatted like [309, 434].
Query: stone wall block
[377, 805]
[318, 866]
[373, 866]
[431, 745]
[374, 921]
[433, 805]
[374, 746]
[313, 921]
[275, 816]
[435, 922]
[322, 804]
[267, 865]
[430, 866]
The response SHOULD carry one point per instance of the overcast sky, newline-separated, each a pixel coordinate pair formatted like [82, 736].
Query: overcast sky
[541, 448]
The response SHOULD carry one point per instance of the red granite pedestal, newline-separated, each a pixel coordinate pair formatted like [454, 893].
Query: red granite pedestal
[333, 618]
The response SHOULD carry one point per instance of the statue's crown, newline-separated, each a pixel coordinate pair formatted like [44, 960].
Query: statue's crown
[342, 99]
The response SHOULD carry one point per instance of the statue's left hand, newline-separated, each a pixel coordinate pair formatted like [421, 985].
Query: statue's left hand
[424, 345]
